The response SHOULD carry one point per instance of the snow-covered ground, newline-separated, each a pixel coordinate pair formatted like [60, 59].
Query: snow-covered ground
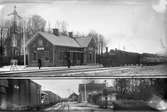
[82, 106]
[24, 68]
[158, 103]
[94, 70]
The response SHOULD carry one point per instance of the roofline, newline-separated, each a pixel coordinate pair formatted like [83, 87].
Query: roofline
[84, 37]
[66, 46]
[58, 45]
[45, 38]
[77, 42]
[33, 37]
[35, 83]
[38, 33]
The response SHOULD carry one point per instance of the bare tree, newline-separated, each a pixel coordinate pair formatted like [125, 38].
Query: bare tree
[141, 89]
[100, 41]
[48, 29]
[79, 34]
[35, 23]
[62, 26]
[4, 28]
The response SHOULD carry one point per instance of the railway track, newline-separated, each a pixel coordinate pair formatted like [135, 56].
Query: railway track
[60, 109]
[56, 108]
[112, 72]
[62, 73]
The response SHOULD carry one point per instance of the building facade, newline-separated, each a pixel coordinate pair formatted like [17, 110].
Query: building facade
[73, 97]
[86, 90]
[3, 94]
[55, 49]
[48, 97]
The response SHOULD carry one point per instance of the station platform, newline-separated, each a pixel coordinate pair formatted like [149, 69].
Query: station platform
[21, 68]
[91, 71]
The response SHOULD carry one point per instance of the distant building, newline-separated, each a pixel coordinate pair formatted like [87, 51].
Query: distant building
[48, 97]
[54, 49]
[103, 99]
[86, 90]
[73, 97]
[111, 93]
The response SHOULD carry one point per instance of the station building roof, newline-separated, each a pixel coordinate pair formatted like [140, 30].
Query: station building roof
[61, 40]
[83, 41]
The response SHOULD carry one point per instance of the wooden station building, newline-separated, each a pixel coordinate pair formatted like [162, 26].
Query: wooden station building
[54, 49]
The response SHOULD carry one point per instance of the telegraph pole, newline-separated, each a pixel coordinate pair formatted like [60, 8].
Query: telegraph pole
[85, 93]
[1, 42]
[24, 44]
[105, 92]
[14, 40]
[95, 57]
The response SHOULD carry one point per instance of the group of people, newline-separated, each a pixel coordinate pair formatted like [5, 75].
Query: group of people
[68, 63]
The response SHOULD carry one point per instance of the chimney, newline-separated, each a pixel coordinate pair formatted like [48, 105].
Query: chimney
[70, 34]
[56, 31]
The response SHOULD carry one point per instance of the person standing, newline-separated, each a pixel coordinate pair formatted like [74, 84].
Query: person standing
[68, 62]
[39, 63]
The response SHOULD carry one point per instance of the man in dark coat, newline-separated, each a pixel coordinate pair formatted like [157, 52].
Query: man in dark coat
[68, 62]
[39, 63]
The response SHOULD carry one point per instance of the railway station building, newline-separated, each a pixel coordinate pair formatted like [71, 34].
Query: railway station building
[54, 49]
[73, 97]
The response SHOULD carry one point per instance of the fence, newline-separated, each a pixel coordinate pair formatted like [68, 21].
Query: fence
[5, 60]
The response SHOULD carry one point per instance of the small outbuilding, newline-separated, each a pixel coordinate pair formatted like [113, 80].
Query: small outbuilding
[73, 97]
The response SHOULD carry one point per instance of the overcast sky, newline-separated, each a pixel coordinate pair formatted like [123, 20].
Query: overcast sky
[64, 87]
[136, 25]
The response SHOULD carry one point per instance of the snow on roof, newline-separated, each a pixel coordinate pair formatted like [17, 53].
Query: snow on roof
[59, 40]
[83, 41]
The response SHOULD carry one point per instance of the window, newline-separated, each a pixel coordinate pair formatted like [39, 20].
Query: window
[34, 55]
[40, 42]
[61, 55]
[46, 55]
[90, 56]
